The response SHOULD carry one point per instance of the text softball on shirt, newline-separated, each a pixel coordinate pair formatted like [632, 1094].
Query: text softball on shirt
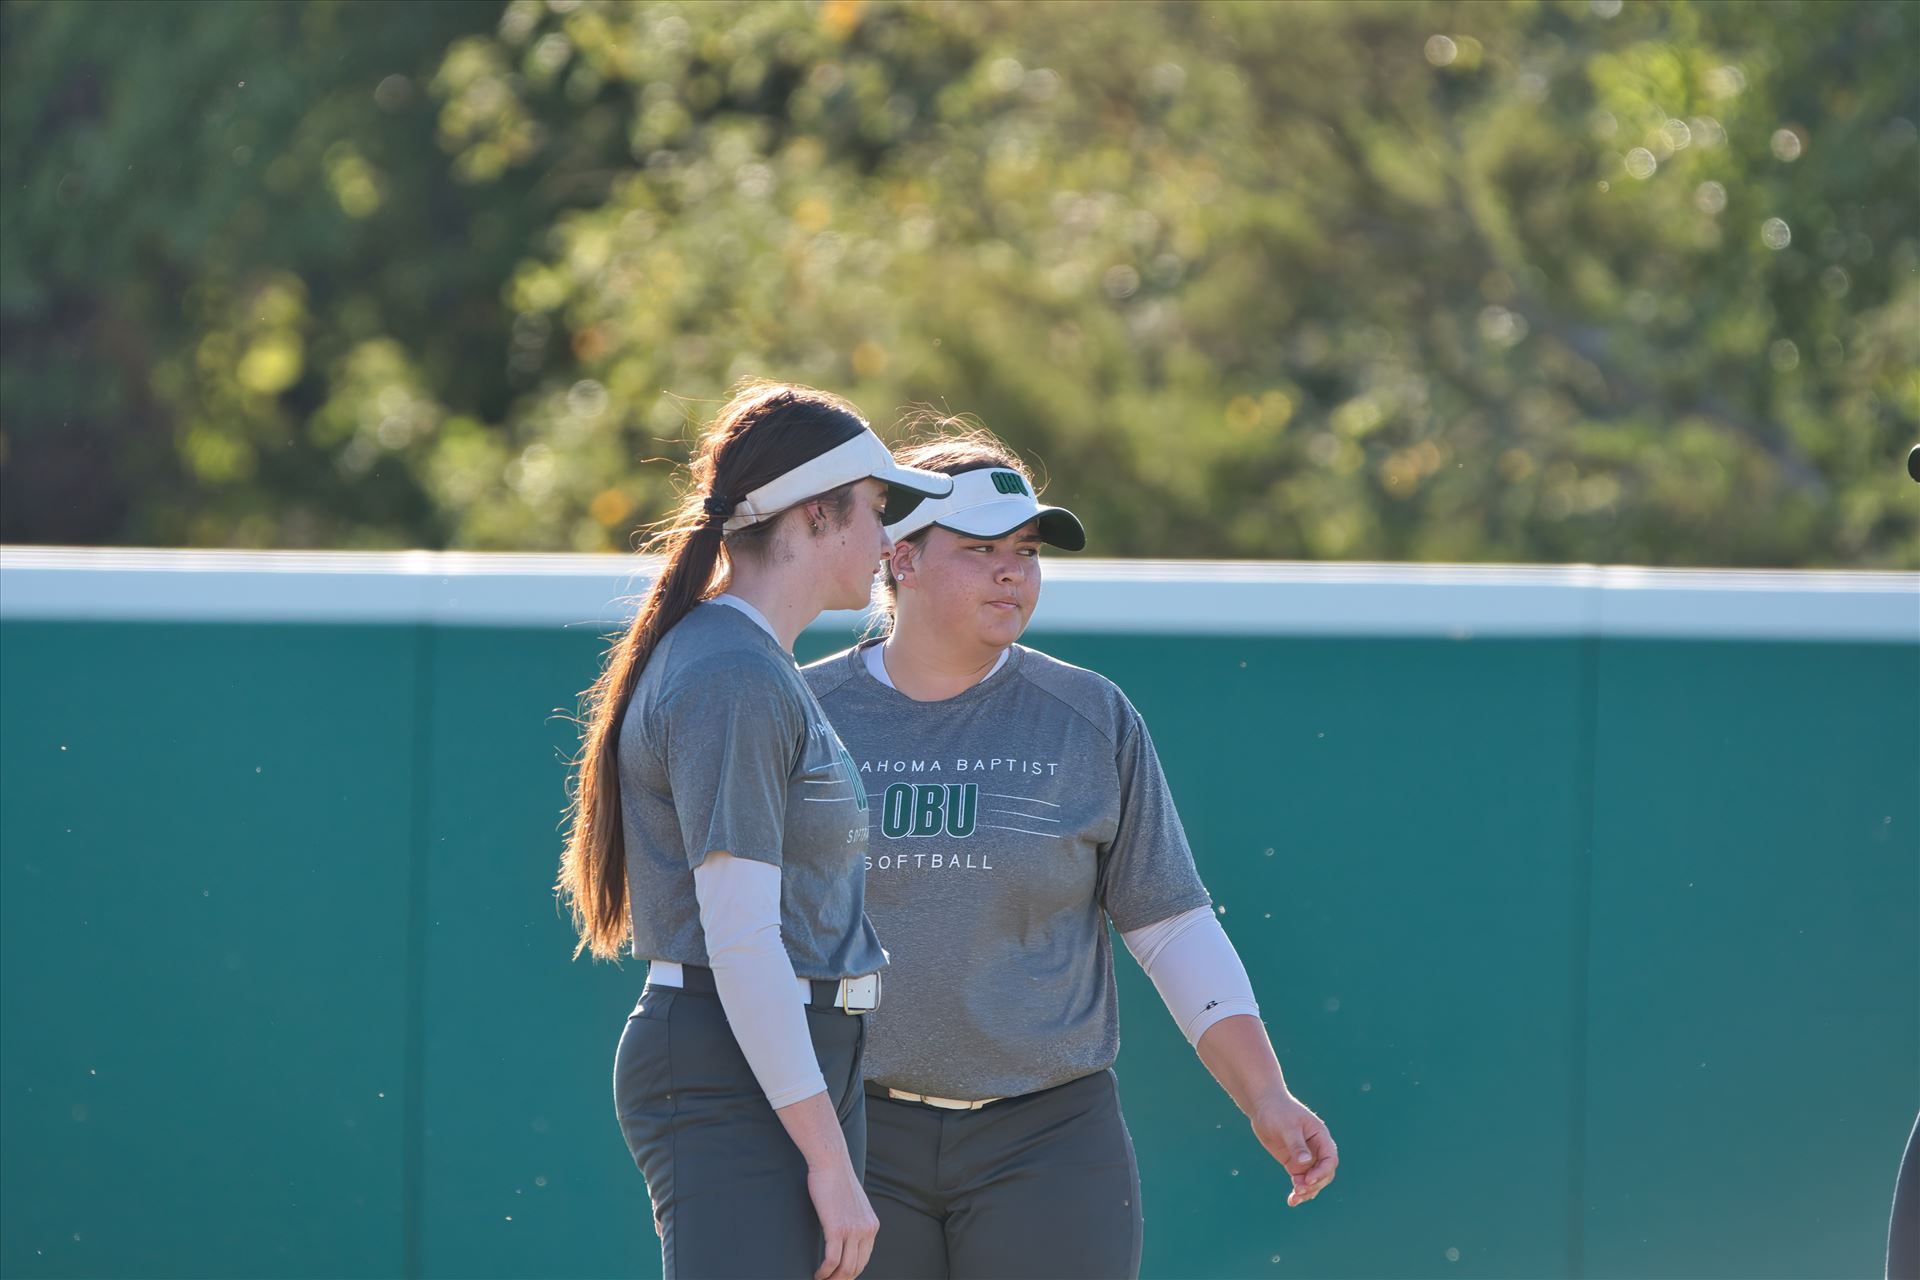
[931, 806]
[1006, 825]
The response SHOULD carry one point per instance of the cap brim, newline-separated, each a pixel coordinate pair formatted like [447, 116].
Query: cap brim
[1058, 526]
[908, 487]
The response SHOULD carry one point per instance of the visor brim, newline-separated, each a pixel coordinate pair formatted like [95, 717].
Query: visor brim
[862, 457]
[1058, 526]
[908, 487]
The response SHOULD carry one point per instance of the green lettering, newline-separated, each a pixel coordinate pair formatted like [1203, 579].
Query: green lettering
[929, 804]
[896, 811]
[854, 780]
[963, 808]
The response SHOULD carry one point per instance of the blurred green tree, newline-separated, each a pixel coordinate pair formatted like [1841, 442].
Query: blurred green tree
[230, 247]
[1548, 281]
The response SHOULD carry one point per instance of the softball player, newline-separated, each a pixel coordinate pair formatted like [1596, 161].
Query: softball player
[1017, 805]
[718, 829]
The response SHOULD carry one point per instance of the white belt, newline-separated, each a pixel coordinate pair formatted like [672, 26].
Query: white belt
[945, 1104]
[854, 995]
[668, 973]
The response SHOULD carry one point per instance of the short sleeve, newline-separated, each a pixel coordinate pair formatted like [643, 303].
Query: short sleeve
[731, 738]
[1146, 871]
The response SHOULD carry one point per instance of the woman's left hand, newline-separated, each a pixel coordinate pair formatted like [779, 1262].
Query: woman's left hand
[1299, 1140]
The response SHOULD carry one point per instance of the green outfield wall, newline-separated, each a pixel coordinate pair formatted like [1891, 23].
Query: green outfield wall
[1584, 904]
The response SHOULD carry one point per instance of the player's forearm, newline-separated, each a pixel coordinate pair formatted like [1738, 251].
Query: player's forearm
[740, 917]
[1240, 1056]
[1195, 969]
[815, 1129]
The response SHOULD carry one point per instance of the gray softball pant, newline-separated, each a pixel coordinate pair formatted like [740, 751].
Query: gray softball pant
[1042, 1186]
[729, 1188]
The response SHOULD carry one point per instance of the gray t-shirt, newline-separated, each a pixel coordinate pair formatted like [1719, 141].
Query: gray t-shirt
[723, 746]
[1008, 824]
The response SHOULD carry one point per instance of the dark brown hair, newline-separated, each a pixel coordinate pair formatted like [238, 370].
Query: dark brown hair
[951, 446]
[764, 431]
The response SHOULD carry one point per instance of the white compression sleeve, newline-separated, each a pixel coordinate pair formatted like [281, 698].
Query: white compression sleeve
[1194, 968]
[740, 914]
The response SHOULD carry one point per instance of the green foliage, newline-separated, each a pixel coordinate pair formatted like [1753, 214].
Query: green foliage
[1549, 281]
[219, 220]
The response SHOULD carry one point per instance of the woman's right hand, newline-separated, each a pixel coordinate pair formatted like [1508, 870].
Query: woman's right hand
[846, 1218]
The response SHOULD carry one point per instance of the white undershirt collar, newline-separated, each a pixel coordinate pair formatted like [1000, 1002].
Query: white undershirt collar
[877, 665]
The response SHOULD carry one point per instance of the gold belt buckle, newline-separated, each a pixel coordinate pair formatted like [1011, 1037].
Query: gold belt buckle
[858, 995]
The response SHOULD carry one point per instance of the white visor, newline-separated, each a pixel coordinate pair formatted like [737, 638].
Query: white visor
[991, 504]
[862, 457]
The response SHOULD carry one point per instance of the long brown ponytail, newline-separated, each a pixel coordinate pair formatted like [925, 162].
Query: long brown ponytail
[764, 431]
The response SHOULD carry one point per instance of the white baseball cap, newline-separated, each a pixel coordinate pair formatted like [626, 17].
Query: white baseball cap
[858, 458]
[991, 503]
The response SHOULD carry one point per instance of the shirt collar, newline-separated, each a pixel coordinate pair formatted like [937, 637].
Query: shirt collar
[759, 619]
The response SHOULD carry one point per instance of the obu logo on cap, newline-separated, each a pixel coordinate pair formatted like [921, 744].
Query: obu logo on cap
[1009, 482]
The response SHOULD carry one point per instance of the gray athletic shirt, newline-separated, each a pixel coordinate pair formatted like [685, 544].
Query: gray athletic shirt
[1008, 824]
[723, 746]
